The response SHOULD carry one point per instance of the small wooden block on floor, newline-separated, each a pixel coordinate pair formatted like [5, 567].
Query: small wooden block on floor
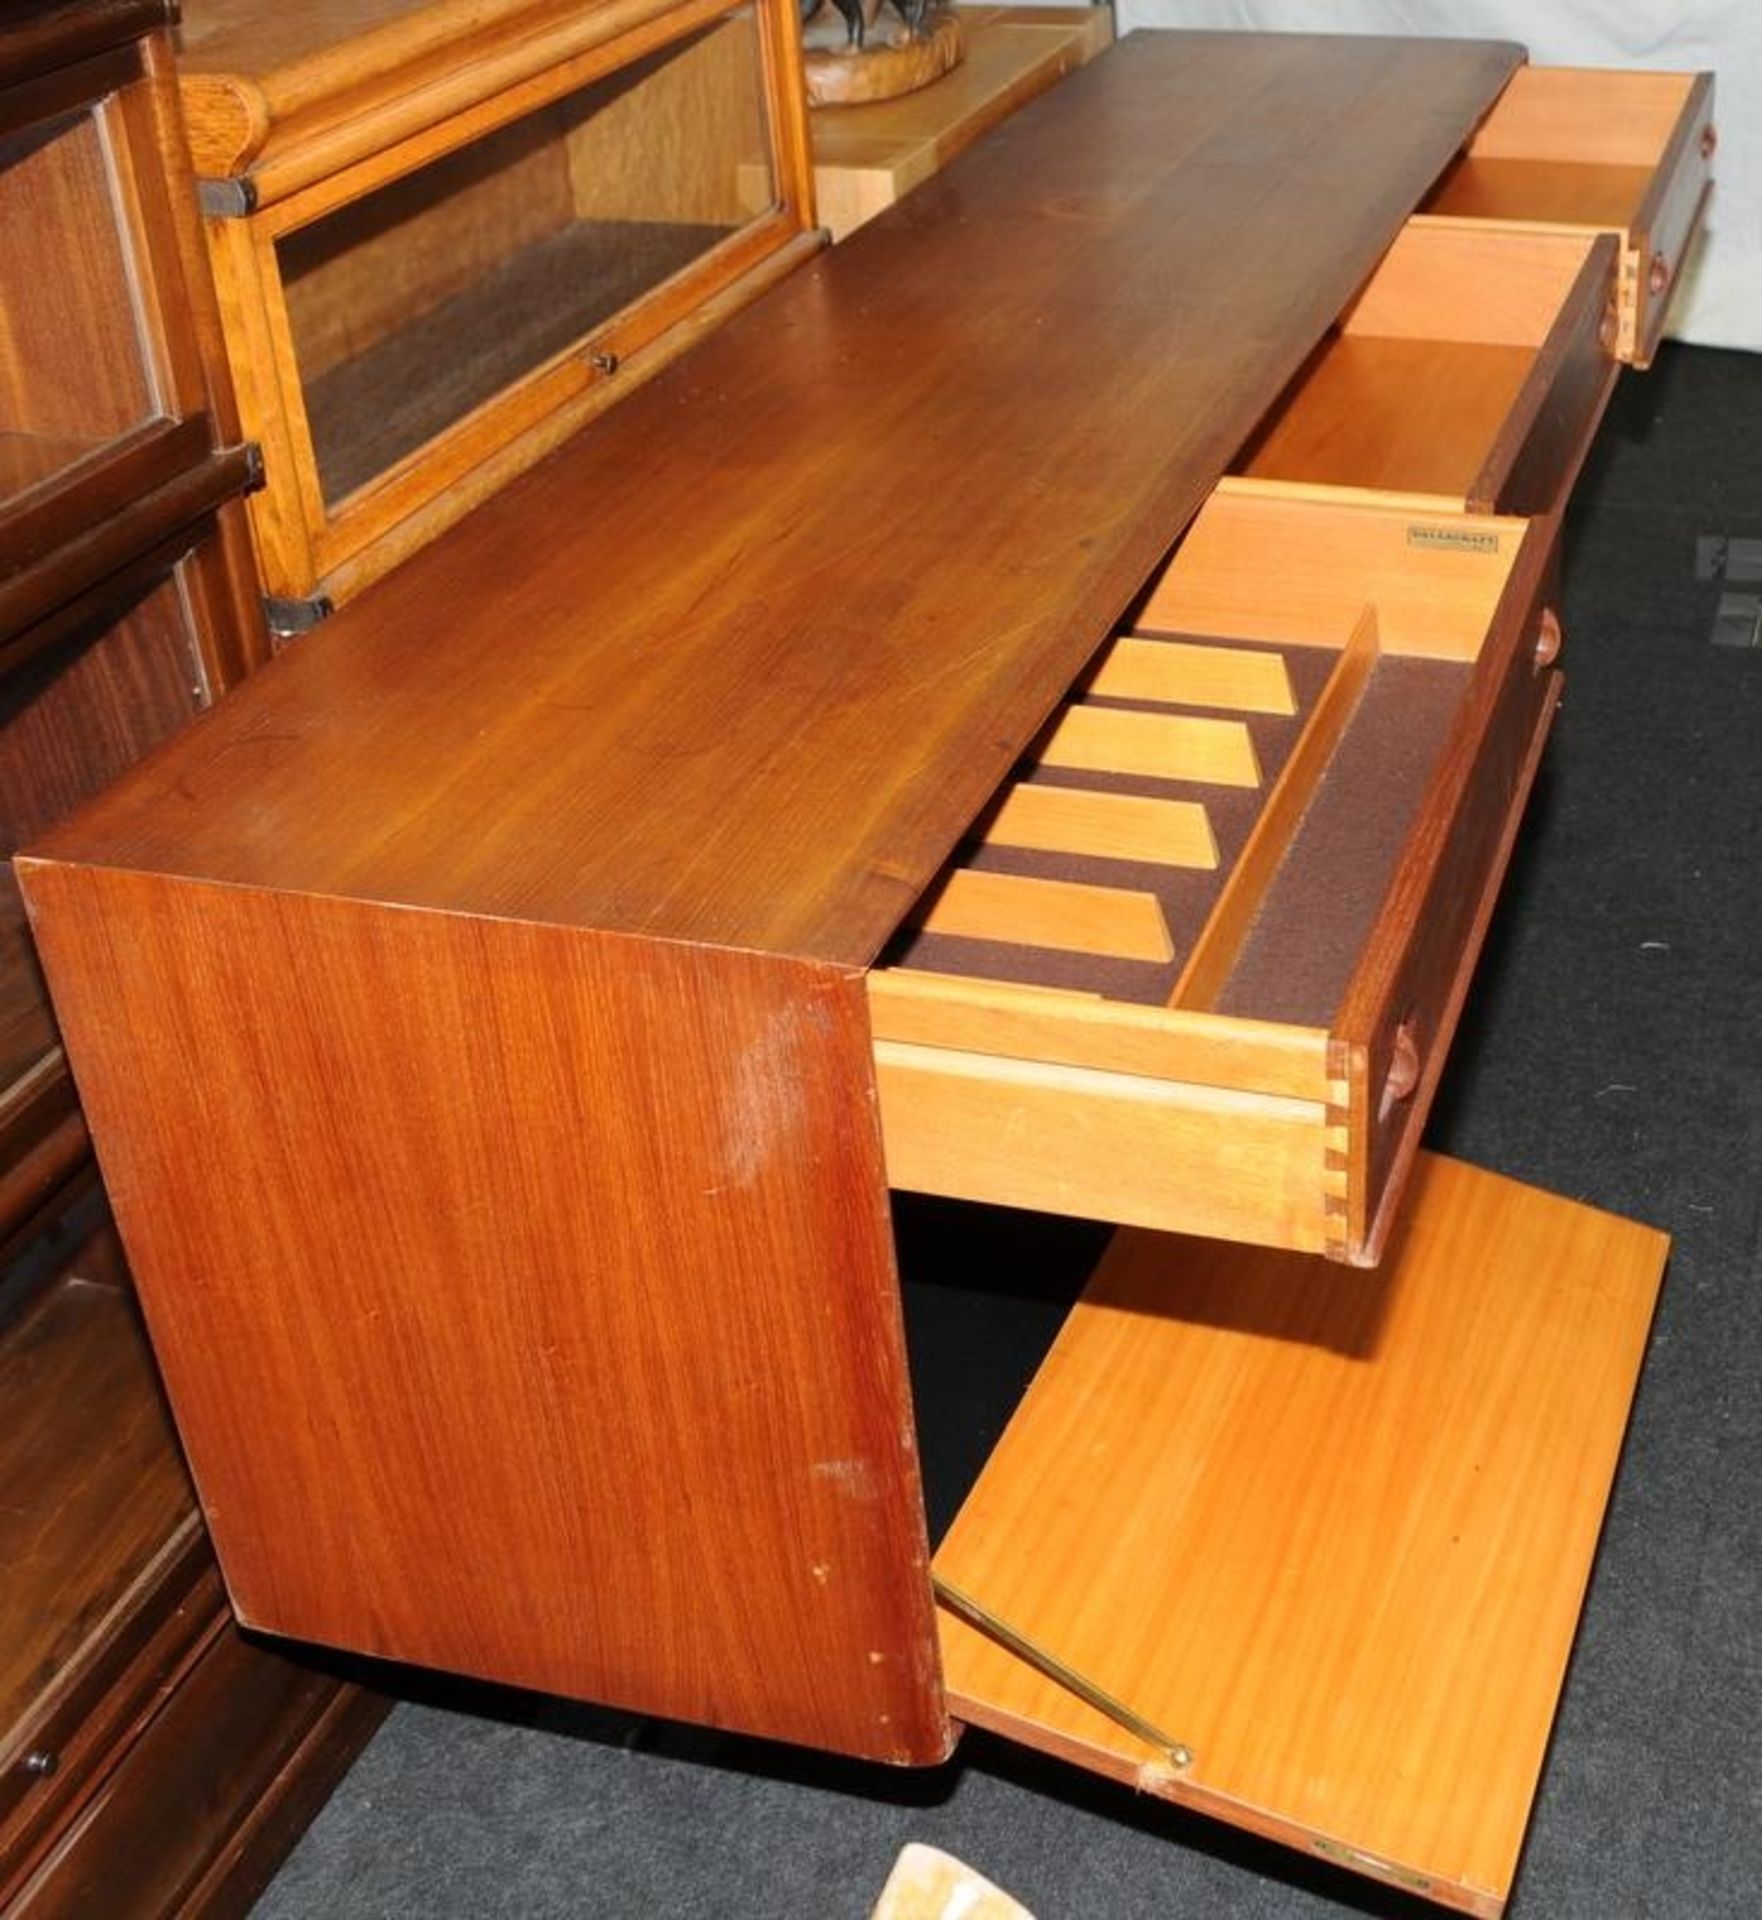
[928, 1884]
[1329, 1529]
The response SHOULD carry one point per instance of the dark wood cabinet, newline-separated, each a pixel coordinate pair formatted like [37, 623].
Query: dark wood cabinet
[126, 598]
[127, 606]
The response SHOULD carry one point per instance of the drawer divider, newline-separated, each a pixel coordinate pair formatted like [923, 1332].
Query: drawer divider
[1186, 674]
[1025, 910]
[1214, 953]
[1161, 746]
[1097, 824]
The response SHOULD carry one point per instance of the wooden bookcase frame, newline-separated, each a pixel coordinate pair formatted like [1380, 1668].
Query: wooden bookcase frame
[434, 99]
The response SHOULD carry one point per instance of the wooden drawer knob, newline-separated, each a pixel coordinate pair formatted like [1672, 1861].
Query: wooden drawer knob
[1549, 639]
[1403, 1075]
[1709, 140]
[1659, 278]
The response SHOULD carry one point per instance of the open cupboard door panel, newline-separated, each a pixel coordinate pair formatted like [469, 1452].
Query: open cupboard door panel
[1326, 1532]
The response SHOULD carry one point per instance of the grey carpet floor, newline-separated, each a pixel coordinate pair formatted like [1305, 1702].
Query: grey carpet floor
[1613, 1051]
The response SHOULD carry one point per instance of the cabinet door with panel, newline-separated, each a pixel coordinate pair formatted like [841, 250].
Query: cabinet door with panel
[446, 234]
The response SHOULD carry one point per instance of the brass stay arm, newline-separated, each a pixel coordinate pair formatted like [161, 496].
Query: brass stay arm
[964, 1607]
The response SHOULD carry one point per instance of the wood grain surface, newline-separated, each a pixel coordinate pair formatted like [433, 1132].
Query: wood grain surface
[1119, 826]
[556, 1290]
[1330, 1530]
[743, 594]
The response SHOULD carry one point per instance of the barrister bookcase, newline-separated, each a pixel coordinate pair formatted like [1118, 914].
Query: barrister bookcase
[1035, 710]
[153, 1760]
[446, 233]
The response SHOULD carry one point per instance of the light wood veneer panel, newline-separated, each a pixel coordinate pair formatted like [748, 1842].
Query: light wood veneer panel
[1329, 1529]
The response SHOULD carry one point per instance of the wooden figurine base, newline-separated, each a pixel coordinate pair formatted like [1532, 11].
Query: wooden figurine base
[891, 63]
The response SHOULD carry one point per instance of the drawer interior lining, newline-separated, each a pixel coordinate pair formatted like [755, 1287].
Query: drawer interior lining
[1542, 192]
[1433, 378]
[1412, 416]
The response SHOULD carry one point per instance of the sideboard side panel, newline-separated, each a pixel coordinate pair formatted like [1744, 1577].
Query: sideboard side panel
[525, 1295]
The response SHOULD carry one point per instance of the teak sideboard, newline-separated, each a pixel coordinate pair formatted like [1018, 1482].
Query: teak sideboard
[1035, 710]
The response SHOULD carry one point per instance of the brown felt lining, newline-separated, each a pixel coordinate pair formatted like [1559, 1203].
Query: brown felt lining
[1319, 910]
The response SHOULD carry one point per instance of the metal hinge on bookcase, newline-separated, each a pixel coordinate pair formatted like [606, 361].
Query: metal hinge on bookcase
[1176, 1752]
[228, 199]
[286, 618]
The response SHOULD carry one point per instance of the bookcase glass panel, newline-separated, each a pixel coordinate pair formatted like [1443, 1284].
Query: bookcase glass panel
[419, 302]
[70, 385]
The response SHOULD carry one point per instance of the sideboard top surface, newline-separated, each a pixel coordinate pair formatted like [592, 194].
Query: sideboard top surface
[740, 663]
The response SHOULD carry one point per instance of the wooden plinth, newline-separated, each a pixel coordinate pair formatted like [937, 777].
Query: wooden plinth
[1330, 1530]
[866, 157]
[890, 64]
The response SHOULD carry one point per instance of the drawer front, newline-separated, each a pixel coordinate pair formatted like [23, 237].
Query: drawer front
[1672, 217]
[1395, 1028]
[1216, 1081]
[59, 1758]
[1113, 1146]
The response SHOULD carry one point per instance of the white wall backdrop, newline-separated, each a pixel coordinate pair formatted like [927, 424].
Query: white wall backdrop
[1720, 303]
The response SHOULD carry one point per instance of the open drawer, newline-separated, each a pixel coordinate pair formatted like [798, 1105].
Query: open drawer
[1198, 967]
[1588, 150]
[1471, 371]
